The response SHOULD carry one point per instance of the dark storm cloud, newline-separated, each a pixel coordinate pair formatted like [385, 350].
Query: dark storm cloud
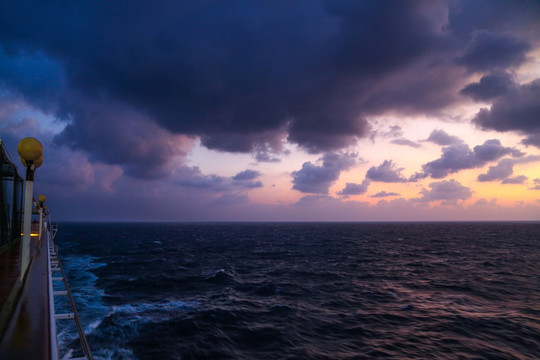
[386, 172]
[489, 87]
[247, 76]
[533, 140]
[355, 189]
[33, 75]
[460, 157]
[440, 137]
[518, 110]
[488, 51]
[497, 16]
[317, 179]
[121, 136]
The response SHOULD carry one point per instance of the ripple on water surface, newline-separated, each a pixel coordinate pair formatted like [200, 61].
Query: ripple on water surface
[306, 291]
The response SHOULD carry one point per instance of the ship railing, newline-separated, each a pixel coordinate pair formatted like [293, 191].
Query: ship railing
[56, 276]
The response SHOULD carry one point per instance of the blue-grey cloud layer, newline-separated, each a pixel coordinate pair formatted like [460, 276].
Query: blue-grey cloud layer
[312, 178]
[244, 76]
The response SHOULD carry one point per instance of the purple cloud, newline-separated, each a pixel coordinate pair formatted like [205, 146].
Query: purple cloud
[536, 183]
[501, 171]
[247, 175]
[406, 142]
[440, 137]
[448, 190]
[460, 157]
[253, 84]
[489, 87]
[192, 177]
[382, 194]
[519, 180]
[518, 110]
[317, 179]
[230, 199]
[386, 172]
[355, 189]
[488, 51]
[505, 168]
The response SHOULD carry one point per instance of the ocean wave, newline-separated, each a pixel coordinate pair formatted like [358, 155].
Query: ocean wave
[266, 291]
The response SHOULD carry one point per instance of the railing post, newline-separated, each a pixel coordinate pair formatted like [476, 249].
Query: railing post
[25, 245]
[31, 153]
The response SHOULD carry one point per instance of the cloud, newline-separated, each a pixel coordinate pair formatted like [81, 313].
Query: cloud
[136, 89]
[519, 180]
[460, 157]
[392, 132]
[99, 128]
[488, 51]
[533, 140]
[192, 177]
[247, 175]
[489, 87]
[32, 75]
[536, 184]
[406, 142]
[386, 172]
[440, 137]
[230, 199]
[382, 194]
[244, 178]
[447, 190]
[505, 168]
[266, 146]
[317, 179]
[517, 110]
[484, 203]
[245, 78]
[355, 189]
[501, 171]
[493, 150]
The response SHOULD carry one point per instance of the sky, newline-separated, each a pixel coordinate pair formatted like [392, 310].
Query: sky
[306, 110]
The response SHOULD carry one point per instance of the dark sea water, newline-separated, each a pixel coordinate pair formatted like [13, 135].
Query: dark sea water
[305, 291]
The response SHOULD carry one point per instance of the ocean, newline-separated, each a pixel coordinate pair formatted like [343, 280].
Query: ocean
[304, 290]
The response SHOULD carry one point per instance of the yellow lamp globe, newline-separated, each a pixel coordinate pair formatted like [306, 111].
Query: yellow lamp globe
[42, 198]
[30, 149]
[38, 162]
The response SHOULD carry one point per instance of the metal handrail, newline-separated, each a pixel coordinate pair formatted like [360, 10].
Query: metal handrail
[52, 321]
[55, 261]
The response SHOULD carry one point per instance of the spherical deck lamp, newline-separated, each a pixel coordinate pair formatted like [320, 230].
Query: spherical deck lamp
[31, 152]
[41, 199]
